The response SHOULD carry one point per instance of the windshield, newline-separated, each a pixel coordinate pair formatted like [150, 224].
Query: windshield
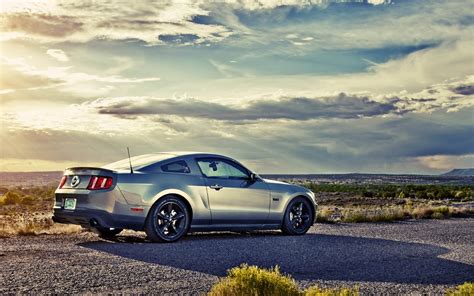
[137, 161]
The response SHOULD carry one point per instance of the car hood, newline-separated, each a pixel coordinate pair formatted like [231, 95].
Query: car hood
[269, 181]
[283, 186]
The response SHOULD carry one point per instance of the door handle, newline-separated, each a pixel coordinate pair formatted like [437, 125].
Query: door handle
[216, 187]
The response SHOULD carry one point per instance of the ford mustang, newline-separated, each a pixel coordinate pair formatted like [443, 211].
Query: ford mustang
[169, 194]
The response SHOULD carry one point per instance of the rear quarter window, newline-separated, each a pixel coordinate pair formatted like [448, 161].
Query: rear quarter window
[179, 166]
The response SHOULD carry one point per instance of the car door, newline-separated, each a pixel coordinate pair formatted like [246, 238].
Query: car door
[233, 197]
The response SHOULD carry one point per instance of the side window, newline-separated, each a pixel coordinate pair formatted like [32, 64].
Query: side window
[212, 167]
[179, 166]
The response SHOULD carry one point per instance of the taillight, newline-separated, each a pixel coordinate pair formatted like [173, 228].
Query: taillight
[62, 182]
[99, 182]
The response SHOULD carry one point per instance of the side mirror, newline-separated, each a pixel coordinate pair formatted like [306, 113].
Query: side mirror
[253, 177]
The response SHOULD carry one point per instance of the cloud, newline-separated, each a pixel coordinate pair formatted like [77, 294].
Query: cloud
[58, 54]
[449, 96]
[319, 86]
[464, 89]
[447, 162]
[50, 26]
[250, 22]
[300, 108]
[83, 21]
[20, 74]
[369, 144]
[15, 78]
[337, 25]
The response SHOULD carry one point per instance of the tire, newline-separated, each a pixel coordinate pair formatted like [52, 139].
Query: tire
[168, 220]
[107, 232]
[298, 217]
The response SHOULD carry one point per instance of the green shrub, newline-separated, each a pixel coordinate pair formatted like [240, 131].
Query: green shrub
[421, 194]
[437, 215]
[442, 210]
[28, 200]
[466, 289]
[12, 198]
[316, 291]
[251, 280]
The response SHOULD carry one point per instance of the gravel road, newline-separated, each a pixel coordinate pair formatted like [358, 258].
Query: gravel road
[404, 257]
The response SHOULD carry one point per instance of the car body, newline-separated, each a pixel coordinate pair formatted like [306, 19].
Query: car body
[213, 192]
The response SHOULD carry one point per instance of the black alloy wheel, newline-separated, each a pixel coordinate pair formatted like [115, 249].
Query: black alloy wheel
[298, 217]
[168, 220]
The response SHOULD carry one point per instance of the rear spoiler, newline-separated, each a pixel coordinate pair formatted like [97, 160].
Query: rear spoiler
[87, 171]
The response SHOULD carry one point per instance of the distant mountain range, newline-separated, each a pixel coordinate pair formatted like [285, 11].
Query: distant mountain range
[460, 173]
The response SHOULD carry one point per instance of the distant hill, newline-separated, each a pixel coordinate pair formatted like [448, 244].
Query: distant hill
[455, 177]
[459, 172]
[30, 178]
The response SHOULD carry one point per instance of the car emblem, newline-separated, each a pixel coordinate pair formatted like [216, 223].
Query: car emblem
[75, 181]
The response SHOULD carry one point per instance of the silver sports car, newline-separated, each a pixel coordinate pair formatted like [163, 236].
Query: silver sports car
[172, 193]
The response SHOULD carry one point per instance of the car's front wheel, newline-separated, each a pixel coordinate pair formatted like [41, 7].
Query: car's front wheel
[298, 217]
[168, 220]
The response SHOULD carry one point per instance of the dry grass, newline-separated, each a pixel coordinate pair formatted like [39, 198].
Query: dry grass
[21, 225]
[389, 213]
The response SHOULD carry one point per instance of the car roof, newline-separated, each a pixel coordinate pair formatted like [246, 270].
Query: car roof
[190, 153]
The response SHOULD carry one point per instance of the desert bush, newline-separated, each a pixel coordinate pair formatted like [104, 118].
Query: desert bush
[11, 198]
[442, 210]
[325, 215]
[422, 212]
[461, 212]
[316, 291]
[419, 191]
[27, 200]
[393, 213]
[421, 194]
[466, 289]
[373, 215]
[437, 215]
[251, 280]
[426, 212]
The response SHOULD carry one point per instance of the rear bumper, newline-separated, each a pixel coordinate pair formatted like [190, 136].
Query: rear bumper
[101, 208]
[97, 218]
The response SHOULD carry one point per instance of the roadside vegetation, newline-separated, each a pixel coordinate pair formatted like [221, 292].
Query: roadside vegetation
[328, 214]
[28, 210]
[466, 289]
[459, 193]
[353, 203]
[252, 280]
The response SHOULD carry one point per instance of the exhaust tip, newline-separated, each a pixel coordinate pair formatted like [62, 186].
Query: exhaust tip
[93, 222]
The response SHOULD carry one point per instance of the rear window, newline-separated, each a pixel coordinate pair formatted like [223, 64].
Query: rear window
[179, 166]
[138, 161]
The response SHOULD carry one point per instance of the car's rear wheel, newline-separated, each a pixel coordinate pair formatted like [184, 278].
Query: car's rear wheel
[168, 220]
[298, 217]
[107, 232]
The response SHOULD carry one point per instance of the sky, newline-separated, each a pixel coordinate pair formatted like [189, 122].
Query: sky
[284, 86]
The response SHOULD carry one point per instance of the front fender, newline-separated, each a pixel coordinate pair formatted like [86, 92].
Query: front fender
[280, 201]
